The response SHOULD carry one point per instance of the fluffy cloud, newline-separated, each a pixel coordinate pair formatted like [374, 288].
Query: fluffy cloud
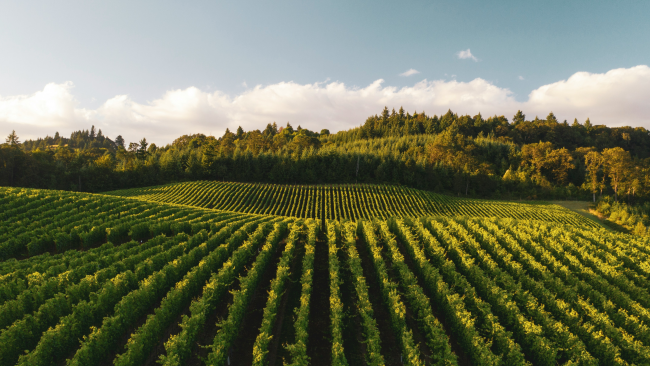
[52, 106]
[618, 97]
[466, 54]
[409, 72]
[333, 105]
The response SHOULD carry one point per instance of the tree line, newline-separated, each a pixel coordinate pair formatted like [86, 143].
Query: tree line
[460, 155]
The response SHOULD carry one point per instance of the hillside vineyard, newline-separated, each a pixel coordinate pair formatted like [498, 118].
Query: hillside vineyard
[338, 202]
[252, 274]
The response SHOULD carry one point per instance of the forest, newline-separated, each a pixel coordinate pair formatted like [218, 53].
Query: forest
[460, 155]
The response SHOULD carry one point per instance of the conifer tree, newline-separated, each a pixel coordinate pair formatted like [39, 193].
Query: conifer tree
[519, 117]
[12, 139]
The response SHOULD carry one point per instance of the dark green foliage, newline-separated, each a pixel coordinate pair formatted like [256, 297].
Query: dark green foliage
[75, 239]
[14, 246]
[197, 227]
[118, 234]
[140, 232]
[40, 245]
[455, 154]
[181, 227]
[95, 236]
[63, 242]
[161, 228]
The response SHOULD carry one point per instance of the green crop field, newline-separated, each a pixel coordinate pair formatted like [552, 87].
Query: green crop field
[338, 202]
[255, 274]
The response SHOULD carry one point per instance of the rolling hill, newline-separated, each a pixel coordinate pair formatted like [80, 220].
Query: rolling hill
[338, 202]
[239, 274]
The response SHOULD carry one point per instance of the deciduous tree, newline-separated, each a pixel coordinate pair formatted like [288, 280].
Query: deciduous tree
[594, 163]
[617, 163]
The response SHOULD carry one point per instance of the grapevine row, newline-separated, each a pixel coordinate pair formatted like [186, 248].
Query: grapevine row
[397, 310]
[143, 340]
[229, 328]
[298, 349]
[260, 349]
[353, 202]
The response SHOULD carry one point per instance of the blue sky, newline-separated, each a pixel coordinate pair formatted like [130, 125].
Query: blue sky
[130, 67]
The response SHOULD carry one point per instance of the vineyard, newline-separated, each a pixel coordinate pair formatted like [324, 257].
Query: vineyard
[252, 274]
[339, 202]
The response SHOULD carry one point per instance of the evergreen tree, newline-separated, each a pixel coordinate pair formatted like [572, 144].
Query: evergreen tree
[227, 142]
[478, 120]
[519, 117]
[12, 139]
[142, 149]
[385, 115]
[119, 141]
[270, 130]
[551, 120]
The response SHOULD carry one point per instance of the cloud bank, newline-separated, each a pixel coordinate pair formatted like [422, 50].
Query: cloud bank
[618, 97]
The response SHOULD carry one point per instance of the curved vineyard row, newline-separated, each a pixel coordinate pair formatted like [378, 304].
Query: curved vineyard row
[40, 221]
[339, 202]
[175, 285]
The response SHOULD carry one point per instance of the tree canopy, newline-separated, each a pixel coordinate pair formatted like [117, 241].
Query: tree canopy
[458, 154]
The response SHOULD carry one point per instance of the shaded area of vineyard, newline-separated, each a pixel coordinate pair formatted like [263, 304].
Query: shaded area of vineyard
[205, 336]
[410, 317]
[355, 350]
[282, 328]
[455, 342]
[319, 349]
[241, 353]
[389, 340]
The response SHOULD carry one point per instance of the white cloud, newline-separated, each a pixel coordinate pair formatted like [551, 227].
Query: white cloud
[521, 77]
[409, 72]
[618, 97]
[51, 106]
[466, 54]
